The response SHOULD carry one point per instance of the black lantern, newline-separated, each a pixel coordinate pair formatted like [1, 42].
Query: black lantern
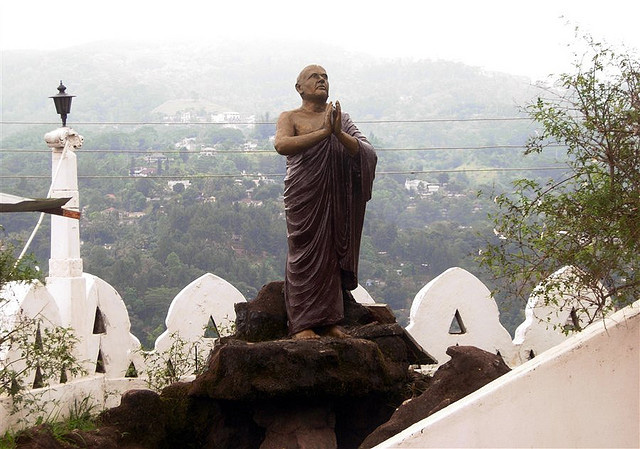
[62, 101]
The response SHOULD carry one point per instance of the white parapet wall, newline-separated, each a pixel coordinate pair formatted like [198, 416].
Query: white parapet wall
[106, 349]
[207, 301]
[458, 297]
[583, 392]
[548, 323]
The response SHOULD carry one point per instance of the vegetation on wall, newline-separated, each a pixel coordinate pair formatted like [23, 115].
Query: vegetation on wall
[40, 353]
[589, 217]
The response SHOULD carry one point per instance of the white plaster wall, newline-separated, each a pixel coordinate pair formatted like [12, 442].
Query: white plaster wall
[70, 295]
[544, 323]
[32, 298]
[118, 346]
[582, 393]
[435, 305]
[189, 312]
[32, 301]
[362, 296]
[100, 392]
[208, 296]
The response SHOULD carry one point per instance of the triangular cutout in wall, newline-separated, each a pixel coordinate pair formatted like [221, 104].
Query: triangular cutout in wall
[131, 371]
[572, 324]
[63, 376]
[457, 325]
[38, 342]
[211, 331]
[98, 323]
[171, 372]
[38, 382]
[100, 363]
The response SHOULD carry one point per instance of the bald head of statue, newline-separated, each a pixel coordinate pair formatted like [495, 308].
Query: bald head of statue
[313, 83]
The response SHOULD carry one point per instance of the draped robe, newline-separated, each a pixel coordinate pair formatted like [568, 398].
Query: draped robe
[325, 194]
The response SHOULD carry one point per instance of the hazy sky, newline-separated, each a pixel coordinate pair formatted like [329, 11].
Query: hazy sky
[527, 37]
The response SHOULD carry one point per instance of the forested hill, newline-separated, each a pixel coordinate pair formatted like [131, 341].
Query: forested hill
[123, 82]
[168, 193]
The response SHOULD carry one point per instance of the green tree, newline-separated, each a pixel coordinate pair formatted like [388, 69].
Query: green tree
[178, 187]
[12, 270]
[589, 218]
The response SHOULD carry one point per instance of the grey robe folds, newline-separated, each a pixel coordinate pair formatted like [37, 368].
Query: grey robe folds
[325, 195]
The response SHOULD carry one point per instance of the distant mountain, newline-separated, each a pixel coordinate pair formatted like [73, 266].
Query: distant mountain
[129, 82]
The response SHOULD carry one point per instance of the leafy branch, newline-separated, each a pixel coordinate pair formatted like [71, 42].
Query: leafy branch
[588, 219]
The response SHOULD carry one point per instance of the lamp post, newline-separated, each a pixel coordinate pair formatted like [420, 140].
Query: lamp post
[65, 281]
[62, 101]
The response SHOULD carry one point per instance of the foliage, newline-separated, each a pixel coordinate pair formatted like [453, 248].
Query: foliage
[183, 358]
[31, 346]
[589, 218]
[81, 417]
[8, 440]
[11, 270]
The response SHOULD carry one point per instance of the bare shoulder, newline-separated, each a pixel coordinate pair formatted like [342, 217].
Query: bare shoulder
[288, 120]
[289, 116]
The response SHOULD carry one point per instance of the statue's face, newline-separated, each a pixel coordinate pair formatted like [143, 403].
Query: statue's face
[313, 82]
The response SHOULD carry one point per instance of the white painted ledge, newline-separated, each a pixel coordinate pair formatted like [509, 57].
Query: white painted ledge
[582, 393]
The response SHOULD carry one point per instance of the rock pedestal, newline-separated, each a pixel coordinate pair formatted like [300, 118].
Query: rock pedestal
[323, 393]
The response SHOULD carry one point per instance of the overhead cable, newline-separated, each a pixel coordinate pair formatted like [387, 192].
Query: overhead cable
[142, 123]
[282, 175]
[273, 152]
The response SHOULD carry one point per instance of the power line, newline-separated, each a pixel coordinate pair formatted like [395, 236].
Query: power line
[223, 152]
[433, 120]
[282, 175]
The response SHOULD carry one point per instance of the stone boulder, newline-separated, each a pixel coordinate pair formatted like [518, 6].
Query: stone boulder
[304, 369]
[265, 317]
[140, 418]
[469, 369]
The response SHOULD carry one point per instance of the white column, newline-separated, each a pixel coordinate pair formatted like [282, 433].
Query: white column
[65, 281]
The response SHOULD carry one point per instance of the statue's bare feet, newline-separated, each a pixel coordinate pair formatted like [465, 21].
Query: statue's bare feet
[335, 332]
[307, 334]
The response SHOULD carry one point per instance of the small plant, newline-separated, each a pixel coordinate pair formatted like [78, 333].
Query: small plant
[34, 353]
[183, 358]
[81, 417]
[46, 353]
[8, 440]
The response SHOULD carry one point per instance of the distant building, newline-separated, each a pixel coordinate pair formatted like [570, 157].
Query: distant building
[143, 172]
[155, 157]
[208, 151]
[185, 183]
[188, 142]
[231, 117]
[249, 202]
[422, 187]
[248, 146]
[413, 185]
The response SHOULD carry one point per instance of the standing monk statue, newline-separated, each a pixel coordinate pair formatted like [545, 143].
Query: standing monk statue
[330, 171]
